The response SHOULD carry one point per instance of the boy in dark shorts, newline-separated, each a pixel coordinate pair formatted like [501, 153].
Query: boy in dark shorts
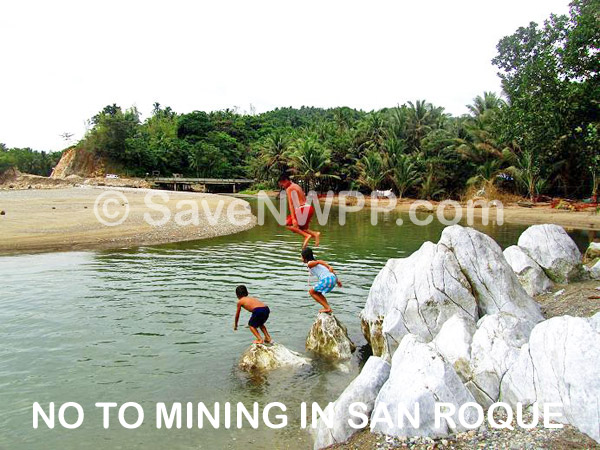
[260, 314]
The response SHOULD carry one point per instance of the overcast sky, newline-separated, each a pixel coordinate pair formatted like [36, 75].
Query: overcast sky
[63, 61]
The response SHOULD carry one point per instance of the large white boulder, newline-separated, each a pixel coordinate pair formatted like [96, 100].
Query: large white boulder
[261, 357]
[495, 347]
[492, 280]
[551, 247]
[465, 273]
[431, 288]
[382, 296]
[560, 365]
[532, 277]
[453, 342]
[363, 389]
[419, 375]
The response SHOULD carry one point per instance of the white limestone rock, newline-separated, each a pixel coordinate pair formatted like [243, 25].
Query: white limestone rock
[495, 348]
[530, 274]
[431, 289]
[492, 280]
[379, 301]
[560, 365]
[420, 375]
[260, 357]
[329, 339]
[551, 247]
[363, 389]
[453, 342]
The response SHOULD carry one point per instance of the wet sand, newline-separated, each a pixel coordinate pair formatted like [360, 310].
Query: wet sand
[64, 219]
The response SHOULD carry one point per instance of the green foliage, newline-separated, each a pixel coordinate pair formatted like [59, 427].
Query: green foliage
[371, 170]
[28, 160]
[550, 75]
[543, 131]
[310, 161]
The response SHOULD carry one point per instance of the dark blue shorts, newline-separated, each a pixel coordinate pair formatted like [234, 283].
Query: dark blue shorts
[259, 317]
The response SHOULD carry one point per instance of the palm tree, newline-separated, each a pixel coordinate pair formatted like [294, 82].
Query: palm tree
[526, 171]
[404, 173]
[422, 117]
[486, 173]
[430, 185]
[401, 168]
[372, 131]
[489, 102]
[274, 151]
[310, 161]
[371, 170]
[481, 142]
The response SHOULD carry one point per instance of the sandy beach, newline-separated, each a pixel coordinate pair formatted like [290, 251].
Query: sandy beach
[64, 219]
[513, 213]
[37, 220]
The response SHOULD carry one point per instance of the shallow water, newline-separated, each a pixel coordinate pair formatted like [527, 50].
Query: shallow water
[155, 325]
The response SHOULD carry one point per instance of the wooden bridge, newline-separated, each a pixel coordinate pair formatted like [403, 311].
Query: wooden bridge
[198, 184]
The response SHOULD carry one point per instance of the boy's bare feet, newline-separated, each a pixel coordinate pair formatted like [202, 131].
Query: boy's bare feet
[258, 341]
[269, 342]
[317, 238]
[326, 310]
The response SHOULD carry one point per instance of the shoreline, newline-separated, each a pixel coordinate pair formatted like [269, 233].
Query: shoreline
[62, 219]
[52, 220]
[513, 213]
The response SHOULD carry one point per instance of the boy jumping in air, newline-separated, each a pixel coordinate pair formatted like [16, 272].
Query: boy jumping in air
[326, 275]
[300, 213]
[260, 314]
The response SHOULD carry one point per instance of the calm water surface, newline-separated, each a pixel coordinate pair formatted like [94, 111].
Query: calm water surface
[154, 324]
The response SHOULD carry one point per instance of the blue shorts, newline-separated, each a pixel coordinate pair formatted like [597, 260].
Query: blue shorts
[326, 285]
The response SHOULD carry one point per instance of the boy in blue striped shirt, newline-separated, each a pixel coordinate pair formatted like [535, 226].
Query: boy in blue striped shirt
[326, 275]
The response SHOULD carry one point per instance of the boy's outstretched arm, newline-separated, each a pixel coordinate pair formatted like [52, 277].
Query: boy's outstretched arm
[237, 316]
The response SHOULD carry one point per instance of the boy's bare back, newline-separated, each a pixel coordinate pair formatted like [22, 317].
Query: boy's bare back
[250, 303]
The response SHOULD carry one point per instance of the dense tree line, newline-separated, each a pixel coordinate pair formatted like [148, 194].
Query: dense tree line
[28, 160]
[540, 137]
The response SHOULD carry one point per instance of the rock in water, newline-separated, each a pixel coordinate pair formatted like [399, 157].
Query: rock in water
[363, 389]
[592, 252]
[259, 357]
[560, 364]
[380, 300]
[532, 277]
[551, 247]
[419, 375]
[416, 295]
[465, 273]
[329, 339]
